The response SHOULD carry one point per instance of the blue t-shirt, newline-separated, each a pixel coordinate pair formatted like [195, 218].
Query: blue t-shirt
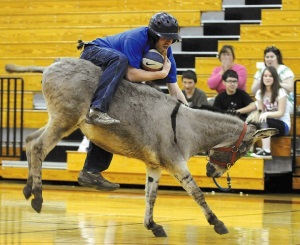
[134, 44]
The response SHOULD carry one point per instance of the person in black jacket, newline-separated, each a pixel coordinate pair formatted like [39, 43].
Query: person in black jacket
[234, 99]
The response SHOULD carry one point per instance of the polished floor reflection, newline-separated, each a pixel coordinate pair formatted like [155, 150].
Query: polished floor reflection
[77, 215]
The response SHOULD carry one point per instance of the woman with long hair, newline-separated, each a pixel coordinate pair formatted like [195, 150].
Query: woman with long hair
[271, 99]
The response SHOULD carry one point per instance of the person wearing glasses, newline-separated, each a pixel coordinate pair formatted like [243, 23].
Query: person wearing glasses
[233, 98]
[227, 57]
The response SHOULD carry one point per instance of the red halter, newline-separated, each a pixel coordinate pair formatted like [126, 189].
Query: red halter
[234, 149]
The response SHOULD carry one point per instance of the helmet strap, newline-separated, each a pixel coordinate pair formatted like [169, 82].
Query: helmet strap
[152, 38]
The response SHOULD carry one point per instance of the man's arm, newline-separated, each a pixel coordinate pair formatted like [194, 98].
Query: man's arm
[139, 75]
[175, 92]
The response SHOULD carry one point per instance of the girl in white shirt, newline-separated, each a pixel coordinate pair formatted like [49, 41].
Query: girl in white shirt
[272, 101]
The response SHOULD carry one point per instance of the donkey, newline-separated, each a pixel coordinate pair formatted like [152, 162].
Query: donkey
[154, 128]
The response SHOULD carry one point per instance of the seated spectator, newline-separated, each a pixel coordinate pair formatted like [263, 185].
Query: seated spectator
[232, 98]
[272, 100]
[227, 57]
[194, 96]
[273, 57]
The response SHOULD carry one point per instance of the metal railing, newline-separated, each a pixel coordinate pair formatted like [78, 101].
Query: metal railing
[11, 117]
[294, 159]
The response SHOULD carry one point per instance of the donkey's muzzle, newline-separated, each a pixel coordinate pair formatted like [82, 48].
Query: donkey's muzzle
[210, 170]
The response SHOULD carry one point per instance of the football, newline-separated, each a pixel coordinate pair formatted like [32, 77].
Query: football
[152, 61]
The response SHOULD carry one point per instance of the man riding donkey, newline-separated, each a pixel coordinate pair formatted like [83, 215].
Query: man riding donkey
[120, 56]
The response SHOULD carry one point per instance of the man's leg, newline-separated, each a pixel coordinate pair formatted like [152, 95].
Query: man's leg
[114, 65]
[97, 160]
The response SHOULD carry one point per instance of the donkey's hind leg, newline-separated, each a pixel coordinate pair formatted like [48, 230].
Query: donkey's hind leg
[152, 181]
[29, 140]
[39, 150]
[183, 175]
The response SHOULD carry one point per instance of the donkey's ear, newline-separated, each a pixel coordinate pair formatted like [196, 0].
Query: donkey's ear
[264, 133]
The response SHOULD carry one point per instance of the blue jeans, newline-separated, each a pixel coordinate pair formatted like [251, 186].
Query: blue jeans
[114, 65]
[282, 127]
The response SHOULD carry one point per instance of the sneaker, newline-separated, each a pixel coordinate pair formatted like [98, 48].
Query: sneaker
[89, 179]
[99, 118]
[262, 154]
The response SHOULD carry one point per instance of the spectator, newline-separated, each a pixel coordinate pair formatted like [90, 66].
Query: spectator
[194, 96]
[232, 98]
[272, 100]
[227, 57]
[273, 57]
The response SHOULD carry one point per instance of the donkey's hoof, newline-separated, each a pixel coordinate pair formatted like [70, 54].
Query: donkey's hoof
[159, 231]
[36, 204]
[220, 228]
[27, 191]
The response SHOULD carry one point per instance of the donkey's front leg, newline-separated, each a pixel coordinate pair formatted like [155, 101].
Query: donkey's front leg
[152, 181]
[183, 175]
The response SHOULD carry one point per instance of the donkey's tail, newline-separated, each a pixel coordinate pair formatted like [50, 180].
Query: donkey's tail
[16, 68]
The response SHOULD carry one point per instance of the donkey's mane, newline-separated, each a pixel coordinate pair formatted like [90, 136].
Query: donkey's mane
[235, 114]
[149, 91]
[218, 110]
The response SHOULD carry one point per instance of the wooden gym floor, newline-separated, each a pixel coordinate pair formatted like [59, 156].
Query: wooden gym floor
[77, 215]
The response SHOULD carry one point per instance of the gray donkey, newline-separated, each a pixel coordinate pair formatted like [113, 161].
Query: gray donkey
[154, 128]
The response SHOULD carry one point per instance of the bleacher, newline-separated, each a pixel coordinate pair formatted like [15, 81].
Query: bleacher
[36, 32]
[279, 28]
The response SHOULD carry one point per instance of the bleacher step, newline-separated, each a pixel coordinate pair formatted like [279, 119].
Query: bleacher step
[24, 164]
[278, 165]
[248, 173]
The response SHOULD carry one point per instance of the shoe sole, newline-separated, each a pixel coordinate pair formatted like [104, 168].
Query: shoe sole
[89, 121]
[267, 158]
[263, 157]
[84, 184]
[107, 189]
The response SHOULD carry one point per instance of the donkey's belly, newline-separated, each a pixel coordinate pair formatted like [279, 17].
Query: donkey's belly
[119, 142]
